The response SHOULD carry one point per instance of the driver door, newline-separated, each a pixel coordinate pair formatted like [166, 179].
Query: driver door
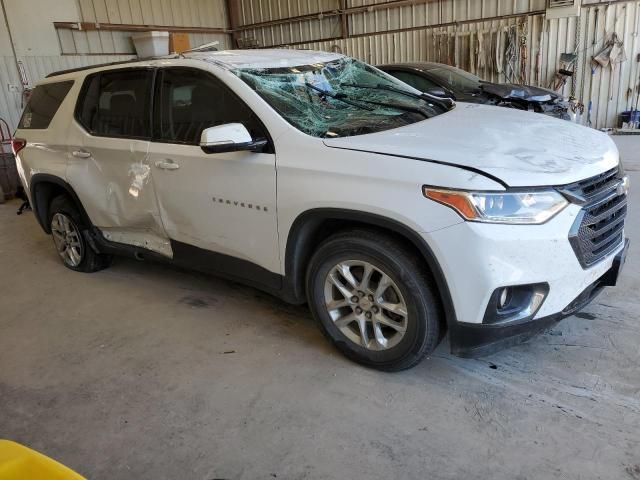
[220, 203]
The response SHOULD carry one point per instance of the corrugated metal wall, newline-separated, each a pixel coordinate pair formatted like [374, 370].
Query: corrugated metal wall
[88, 48]
[182, 13]
[416, 37]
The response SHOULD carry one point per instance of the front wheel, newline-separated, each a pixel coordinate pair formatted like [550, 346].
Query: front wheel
[374, 300]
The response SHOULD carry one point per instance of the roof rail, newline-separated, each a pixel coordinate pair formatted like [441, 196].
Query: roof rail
[89, 67]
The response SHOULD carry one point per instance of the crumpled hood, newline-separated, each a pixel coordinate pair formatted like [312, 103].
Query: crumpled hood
[519, 92]
[520, 148]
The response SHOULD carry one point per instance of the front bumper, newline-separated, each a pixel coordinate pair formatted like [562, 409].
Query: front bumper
[469, 340]
[477, 259]
[477, 340]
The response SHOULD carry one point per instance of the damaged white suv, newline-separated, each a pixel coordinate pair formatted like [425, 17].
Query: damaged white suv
[397, 216]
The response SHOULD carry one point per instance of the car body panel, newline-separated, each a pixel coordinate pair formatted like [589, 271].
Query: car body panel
[520, 148]
[478, 258]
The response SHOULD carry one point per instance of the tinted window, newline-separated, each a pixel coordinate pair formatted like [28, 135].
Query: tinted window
[117, 104]
[416, 81]
[456, 79]
[43, 104]
[189, 100]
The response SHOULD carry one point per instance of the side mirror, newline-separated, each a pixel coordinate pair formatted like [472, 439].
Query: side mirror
[232, 137]
[438, 92]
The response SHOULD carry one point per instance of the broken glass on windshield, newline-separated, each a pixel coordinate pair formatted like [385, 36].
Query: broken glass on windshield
[340, 98]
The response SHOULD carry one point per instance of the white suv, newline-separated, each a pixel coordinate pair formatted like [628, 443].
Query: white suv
[397, 216]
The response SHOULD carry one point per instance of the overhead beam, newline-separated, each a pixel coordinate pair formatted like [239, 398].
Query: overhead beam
[334, 13]
[129, 27]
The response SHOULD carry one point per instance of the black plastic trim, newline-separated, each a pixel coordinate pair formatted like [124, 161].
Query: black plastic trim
[299, 249]
[232, 268]
[40, 206]
[91, 67]
[197, 259]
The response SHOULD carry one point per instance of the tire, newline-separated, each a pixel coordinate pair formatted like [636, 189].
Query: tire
[406, 310]
[69, 234]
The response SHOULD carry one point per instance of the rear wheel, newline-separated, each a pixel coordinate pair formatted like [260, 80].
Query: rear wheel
[373, 300]
[68, 232]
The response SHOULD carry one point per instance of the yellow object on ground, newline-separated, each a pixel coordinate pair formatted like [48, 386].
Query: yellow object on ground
[21, 463]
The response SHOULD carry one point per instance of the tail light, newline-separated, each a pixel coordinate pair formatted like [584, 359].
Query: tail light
[17, 144]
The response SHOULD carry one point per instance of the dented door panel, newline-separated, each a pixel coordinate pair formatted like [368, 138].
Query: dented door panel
[114, 184]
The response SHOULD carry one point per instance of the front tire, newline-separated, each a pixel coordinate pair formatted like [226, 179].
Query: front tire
[374, 300]
[69, 237]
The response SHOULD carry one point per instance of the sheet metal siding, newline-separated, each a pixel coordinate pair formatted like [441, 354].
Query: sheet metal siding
[184, 13]
[254, 11]
[611, 92]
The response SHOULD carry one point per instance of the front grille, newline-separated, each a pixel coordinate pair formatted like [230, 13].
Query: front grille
[599, 228]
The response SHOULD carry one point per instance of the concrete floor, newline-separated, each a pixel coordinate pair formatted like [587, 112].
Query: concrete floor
[144, 372]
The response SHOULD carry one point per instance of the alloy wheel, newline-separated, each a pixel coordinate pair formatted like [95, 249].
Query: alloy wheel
[365, 304]
[66, 237]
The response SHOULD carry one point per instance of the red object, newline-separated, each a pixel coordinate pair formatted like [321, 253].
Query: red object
[17, 144]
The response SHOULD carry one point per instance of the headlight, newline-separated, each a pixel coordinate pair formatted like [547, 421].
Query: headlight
[521, 208]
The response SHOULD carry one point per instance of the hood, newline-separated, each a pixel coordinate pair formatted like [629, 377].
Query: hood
[514, 91]
[520, 148]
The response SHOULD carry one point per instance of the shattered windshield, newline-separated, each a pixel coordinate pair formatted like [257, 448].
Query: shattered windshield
[340, 98]
[456, 79]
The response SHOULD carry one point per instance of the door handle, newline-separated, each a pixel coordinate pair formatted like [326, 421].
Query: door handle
[81, 153]
[167, 165]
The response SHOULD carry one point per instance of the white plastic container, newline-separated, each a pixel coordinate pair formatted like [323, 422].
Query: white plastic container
[151, 44]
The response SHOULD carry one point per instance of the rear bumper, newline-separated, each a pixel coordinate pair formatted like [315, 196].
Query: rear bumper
[476, 340]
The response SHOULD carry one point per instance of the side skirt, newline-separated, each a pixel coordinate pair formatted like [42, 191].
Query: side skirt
[194, 258]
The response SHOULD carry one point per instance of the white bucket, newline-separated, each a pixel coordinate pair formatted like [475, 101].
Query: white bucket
[151, 44]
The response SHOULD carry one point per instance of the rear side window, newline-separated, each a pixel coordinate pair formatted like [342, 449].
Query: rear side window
[43, 105]
[116, 104]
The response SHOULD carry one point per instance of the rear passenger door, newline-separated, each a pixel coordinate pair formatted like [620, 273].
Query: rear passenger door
[225, 202]
[109, 163]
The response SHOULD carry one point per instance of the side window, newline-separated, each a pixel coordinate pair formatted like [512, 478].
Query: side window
[117, 104]
[43, 104]
[190, 100]
[416, 81]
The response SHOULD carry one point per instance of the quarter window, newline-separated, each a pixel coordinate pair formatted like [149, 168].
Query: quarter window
[117, 104]
[43, 105]
[189, 101]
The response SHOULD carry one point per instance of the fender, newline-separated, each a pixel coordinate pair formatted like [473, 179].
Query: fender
[41, 200]
[300, 248]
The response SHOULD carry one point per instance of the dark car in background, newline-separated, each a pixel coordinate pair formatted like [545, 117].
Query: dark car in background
[447, 81]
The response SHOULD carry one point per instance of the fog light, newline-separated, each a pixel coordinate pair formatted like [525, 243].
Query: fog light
[505, 296]
[515, 303]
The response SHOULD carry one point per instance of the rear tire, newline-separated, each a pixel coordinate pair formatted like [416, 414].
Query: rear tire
[69, 234]
[374, 300]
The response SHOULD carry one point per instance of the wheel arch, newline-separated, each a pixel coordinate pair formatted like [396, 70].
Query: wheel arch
[44, 188]
[313, 226]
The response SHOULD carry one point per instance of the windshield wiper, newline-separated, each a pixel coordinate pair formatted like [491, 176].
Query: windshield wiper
[398, 106]
[338, 96]
[443, 102]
